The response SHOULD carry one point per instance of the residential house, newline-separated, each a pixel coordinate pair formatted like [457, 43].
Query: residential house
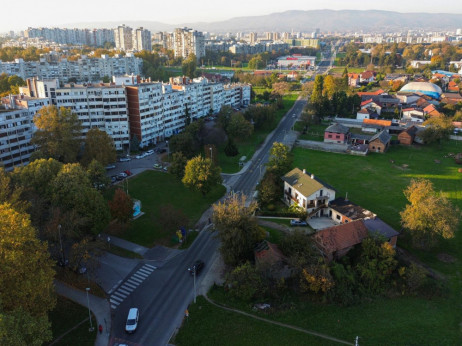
[371, 93]
[334, 242]
[353, 79]
[367, 77]
[371, 104]
[366, 113]
[308, 192]
[337, 133]
[431, 111]
[344, 211]
[407, 98]
[380, 142]
[453, 87]
[451, 98]
[407, 136]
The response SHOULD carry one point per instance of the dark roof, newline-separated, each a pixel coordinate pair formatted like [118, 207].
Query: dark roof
[378, 226]
[341, 236]
[360, 136]
[411, 130]
[337, 128]
[349, 209]
[382, 136]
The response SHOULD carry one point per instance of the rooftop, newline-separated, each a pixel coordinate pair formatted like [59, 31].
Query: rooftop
[350, 210]
[305, 183]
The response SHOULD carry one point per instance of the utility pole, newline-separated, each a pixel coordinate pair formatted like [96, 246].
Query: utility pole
[89, 312]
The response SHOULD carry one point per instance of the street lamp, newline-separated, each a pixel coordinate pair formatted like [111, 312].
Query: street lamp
[194, 275]
[89, 312]
[211, 154]
[61, 244]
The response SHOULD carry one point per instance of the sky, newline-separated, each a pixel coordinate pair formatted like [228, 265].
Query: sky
[56, 13]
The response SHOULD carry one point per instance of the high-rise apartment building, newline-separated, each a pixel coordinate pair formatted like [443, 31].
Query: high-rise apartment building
[253, 37]
[188, 41]
[123, 37]
[142, 39]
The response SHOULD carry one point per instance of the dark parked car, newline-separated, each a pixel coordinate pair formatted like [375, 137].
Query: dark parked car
[298, 223]
[128, 173]
[196, 267]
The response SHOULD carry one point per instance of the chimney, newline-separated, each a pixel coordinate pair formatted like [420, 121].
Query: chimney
[304, 171]
[312, 176]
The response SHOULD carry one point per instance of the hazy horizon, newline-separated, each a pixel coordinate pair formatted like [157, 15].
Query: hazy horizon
[54, 13]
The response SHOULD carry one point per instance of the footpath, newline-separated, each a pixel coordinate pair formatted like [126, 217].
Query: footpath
[99, 307]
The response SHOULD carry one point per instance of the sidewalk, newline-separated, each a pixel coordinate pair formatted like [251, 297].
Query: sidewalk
[124, 244]
[99, 307]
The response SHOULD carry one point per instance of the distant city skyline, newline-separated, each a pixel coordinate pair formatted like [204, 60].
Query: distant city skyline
[54, 13]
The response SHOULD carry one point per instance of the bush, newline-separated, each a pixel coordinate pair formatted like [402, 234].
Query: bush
[271, 207]
[245, 283]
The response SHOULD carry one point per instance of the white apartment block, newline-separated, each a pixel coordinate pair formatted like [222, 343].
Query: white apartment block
[188, 41]
[41, 88]
[102, 106]
[91, 37]
[16, 129]
[142, 40]
[83, 70]
[123, 37]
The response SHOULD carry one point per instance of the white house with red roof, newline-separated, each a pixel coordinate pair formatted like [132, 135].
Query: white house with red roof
[367, 77]
[371, 105]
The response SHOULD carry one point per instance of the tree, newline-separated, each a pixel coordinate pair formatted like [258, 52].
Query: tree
[58, 133]
[183, 142]
[280, 159]
[97, 175]
[98, 146]
[238, 127]
[429, 216]
[237, 228]
[201, 174]
[256, 63]
[121, 206]
[269, 189]
[316, 95]
[9, 193]
[177, 164]
[134, 143]
[376, 264]
[316, 277]
[231, 149]
[189, 66]
[27, 280]
[438, 128]
[245, 282]
[329, 86]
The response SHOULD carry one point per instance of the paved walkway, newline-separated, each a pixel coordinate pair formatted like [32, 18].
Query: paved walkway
[323, 336]
[124, 244]
[99, 307]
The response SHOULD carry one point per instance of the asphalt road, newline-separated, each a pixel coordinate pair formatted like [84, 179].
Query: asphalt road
[164, 296]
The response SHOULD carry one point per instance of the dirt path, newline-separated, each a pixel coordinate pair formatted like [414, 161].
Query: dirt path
[323, 336]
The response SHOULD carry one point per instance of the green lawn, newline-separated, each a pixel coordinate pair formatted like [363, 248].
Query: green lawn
[210, 325]
[313, 133]
[65, 316]
[339, 69]
[247, 147]
[155, 189]
[399, 321]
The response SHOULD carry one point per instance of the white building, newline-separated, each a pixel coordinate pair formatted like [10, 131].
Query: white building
[188, 41]
[102, 106]
[142, 39]
[123, 37]
[16, 129]
[296, 61]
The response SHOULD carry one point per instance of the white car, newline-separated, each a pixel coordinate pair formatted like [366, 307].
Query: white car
[149, 152]
[157, 166]
[124, 159]
[132, 320]
[139, 156]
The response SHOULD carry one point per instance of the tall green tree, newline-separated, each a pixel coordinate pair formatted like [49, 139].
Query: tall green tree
[26, 281]
[97, 175]
[189, 66]
[58, 133]
[429, 216]
[237, 229]
[121, 206]
[316, 94]
[201, 174]
[280, 159]
[437, 129]
[98, 146]
[239, 127]
[177, 164]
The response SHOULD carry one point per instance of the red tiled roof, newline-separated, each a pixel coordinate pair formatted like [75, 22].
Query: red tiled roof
[367, 74]
[371, 93]
[341, 237]
[429, 108]
[269, 253]
[353, 75]
[377, 122]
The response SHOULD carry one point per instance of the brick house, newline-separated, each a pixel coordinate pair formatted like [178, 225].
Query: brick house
[407, 136]
[380, 142]
[308, 192]
[334, 242]
[337, 133]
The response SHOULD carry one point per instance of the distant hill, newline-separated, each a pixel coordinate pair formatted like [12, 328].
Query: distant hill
[326, 20]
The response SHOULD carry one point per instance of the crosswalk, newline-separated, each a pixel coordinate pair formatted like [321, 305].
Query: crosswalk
[130, 285]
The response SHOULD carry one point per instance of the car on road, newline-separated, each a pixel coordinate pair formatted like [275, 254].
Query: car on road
[123, 174]
[149, 152]
[108, 167]
[124, 159]
[128, 173]
[156, 166]
[132, 320]
[298, 223]
[140, 156]
[196, 267]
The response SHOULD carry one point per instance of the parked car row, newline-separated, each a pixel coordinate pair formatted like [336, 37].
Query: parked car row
[121, 176]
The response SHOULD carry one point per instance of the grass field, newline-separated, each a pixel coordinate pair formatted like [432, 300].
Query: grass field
[247, 147]
[313, 133]
[65, 316]
[228, 328]
[155, 189]
[339, 69]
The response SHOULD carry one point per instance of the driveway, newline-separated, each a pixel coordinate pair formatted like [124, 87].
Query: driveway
[318, 223]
